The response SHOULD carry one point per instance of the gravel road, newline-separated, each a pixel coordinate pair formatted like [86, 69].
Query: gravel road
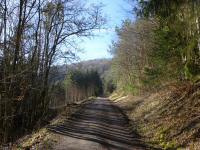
[98, 125]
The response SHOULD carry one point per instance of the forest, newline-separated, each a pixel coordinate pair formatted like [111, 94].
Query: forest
[157, 52]
[156, 59]
[161, 46]
[34, 35]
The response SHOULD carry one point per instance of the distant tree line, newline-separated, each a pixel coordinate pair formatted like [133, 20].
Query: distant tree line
[82, 84]
[81, 80]
[33, 35]
[162, 45]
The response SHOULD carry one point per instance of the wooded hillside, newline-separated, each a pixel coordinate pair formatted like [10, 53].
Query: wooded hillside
[81, 80]
[34, 34]
[102, 66]
[156, 60]
[161, 46]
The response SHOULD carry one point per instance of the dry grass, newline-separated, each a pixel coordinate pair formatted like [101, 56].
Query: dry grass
[42, 138]
[169, 118]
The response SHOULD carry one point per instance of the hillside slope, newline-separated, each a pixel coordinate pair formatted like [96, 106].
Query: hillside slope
[59, 72]
[169, 117]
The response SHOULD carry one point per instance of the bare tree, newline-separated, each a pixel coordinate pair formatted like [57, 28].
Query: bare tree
[33, 34]
[131, 51]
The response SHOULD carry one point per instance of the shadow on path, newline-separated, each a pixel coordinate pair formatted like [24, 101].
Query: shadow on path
[103, 122]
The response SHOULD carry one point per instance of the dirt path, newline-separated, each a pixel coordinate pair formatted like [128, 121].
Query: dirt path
[98, 125]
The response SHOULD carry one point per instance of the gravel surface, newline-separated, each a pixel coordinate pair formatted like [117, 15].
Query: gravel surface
[98, 125]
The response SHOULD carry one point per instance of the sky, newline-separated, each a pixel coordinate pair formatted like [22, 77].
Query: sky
[97, 47]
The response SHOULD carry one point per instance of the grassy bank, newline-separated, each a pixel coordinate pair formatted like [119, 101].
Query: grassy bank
[169, 118]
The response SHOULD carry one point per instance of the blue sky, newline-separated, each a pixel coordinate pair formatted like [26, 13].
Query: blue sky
[96, 47]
